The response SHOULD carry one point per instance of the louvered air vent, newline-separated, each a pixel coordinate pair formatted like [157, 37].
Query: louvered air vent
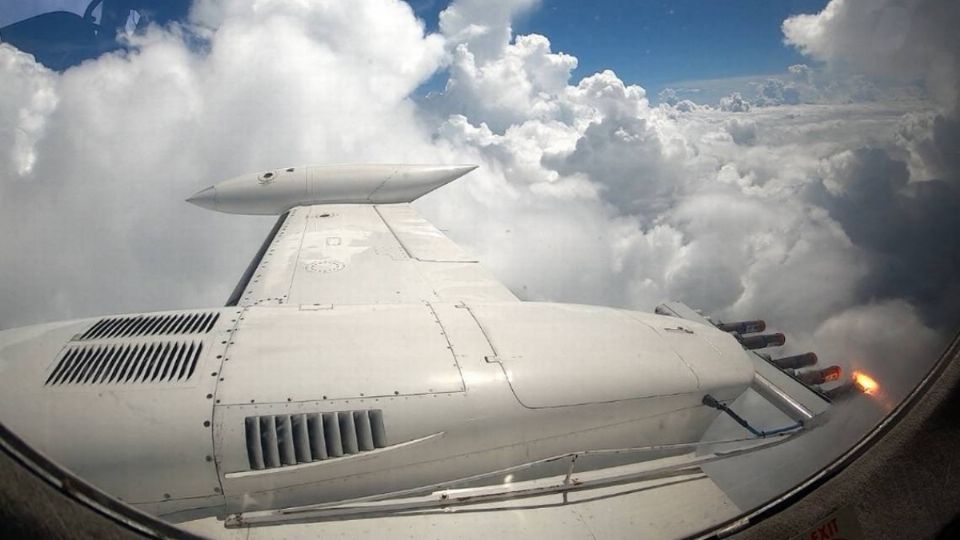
[151, 325]
[152, 362]
[288, 439]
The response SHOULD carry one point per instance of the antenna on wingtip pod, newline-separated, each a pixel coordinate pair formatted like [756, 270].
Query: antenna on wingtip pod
[275, 191]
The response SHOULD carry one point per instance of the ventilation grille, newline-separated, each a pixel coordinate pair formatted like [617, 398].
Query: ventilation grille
[288, 439]
[151, 325]
[126, 363]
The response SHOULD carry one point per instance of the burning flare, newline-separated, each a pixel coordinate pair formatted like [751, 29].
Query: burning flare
[865, 382]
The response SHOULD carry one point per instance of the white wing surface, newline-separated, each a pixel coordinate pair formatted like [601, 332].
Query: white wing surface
[348, 235]
[365, 254]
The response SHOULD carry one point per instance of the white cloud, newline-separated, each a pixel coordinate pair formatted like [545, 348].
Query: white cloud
[521, 84]
[898, 39]
[26, 98]
[801, 73]
[742, 133]
[734, 103]
[891, 330]
[484, 26]
[777, 92]
[669, 96]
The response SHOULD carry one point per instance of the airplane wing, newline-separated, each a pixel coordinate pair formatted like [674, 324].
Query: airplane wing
[360, 242]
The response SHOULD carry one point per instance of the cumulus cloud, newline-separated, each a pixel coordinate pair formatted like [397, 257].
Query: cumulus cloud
[26, 100]
[638, 160]
[734, 103]
[778, 92]
[483, 26]
[697, 217]
[521, 83]
[897, 39]
[932, 140]
[669, 96]
[801, 73]
[897, 202]
[902, 225]
[743, 133]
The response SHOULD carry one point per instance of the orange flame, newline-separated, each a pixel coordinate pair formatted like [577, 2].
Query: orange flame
[866, 383]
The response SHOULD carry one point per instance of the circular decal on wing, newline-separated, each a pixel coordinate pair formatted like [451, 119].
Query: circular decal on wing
[325, 266]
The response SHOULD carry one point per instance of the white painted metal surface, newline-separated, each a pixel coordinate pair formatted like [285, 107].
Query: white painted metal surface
[419, 238]
[366, 254]
[449, 411]
[147, 442]
[623, 356]
[280, 354]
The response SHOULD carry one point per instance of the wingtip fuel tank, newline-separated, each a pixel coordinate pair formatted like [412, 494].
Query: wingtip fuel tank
[275, 191]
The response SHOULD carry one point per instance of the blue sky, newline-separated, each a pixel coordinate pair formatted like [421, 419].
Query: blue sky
[652, 43]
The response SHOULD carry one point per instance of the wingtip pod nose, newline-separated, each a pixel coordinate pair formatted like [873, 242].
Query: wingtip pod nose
[205, 198]
[456, 171]
[436, 172]
[409, 182]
